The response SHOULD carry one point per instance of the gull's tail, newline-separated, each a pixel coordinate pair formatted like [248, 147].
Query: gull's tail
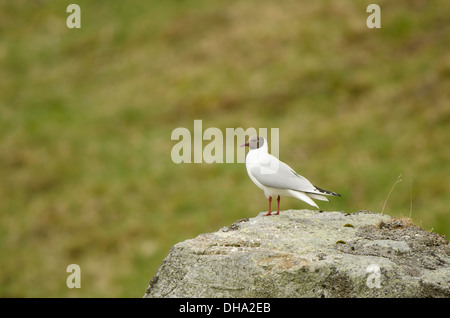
[302, 196]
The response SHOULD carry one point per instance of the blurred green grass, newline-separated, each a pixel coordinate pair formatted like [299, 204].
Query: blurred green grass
[86, 118]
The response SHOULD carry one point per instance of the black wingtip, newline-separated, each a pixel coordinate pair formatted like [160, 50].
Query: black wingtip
[328, 192]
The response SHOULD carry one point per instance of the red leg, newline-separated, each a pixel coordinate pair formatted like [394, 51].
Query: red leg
[270, 203]
[278, 206]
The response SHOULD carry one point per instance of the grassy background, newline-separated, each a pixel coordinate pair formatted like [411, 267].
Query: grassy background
[86, 117]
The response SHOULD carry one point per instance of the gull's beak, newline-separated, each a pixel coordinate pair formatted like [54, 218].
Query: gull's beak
[246, 144]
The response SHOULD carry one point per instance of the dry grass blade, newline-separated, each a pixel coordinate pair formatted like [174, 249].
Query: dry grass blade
[389, 194]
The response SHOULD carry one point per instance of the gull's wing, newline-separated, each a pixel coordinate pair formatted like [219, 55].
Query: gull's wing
[273, 173]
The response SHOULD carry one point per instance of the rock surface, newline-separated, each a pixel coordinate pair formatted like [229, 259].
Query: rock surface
[302, 253]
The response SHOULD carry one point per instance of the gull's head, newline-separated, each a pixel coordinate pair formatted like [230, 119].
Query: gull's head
[254, 142]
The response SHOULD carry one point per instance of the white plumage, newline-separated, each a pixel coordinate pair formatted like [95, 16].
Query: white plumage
[276, 178]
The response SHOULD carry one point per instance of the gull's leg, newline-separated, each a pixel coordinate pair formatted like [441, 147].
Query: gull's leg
[270, 203]
[278, 206]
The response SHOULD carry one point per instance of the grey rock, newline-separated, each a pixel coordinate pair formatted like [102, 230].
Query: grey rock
[303, 253]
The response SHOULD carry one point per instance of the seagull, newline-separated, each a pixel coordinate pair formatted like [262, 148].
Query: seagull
[276, 178]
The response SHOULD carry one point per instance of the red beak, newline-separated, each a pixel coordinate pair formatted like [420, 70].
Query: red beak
[246, 144]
